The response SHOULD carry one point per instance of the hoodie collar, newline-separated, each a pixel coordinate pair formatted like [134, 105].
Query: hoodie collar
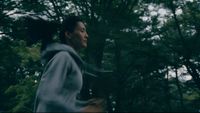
[54, 48]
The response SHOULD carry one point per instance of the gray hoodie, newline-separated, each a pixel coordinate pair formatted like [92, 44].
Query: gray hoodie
[61, 80]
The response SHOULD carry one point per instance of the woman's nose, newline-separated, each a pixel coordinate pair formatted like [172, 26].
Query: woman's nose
[86, 35]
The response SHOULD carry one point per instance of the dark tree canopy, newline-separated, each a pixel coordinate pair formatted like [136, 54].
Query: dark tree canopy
[151, 49]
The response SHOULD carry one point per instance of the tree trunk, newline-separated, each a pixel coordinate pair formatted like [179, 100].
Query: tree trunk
[179, 91]
[167, 90]
[119, 77]
[193, 72]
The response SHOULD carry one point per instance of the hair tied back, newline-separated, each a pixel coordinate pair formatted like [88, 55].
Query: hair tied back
[40, 29]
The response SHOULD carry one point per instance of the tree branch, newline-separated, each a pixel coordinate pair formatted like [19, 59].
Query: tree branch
[56, 9]
[177, 22]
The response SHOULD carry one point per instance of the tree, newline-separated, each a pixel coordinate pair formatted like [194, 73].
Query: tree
[125, 36]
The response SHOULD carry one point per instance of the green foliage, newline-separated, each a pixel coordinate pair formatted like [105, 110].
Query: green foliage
[139, 52]
[21, 96]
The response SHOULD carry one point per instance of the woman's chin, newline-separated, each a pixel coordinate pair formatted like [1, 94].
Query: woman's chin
[84, 46]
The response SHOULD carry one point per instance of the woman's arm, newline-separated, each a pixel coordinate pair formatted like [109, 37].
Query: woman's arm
[52, 95]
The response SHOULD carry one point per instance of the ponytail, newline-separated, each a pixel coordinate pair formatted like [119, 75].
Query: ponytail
[39, 29]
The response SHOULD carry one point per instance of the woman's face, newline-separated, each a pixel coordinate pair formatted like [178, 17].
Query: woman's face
[79, 37]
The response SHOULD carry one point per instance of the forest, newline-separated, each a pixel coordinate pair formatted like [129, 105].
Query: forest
[149, 49]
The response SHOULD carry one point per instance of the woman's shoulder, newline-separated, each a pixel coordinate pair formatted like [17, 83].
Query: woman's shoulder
[62, 55]
[60, 59]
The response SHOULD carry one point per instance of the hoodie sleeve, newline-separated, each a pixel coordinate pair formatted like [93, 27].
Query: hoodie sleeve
[52, 94]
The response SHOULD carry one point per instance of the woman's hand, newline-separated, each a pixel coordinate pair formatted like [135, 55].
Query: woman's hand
[95, 105]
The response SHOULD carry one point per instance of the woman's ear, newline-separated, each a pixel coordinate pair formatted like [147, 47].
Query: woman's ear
[68, 35]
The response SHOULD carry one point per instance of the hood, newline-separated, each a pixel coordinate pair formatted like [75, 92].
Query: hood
[54, 48]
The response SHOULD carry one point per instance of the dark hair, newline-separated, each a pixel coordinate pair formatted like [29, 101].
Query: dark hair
[40, 29]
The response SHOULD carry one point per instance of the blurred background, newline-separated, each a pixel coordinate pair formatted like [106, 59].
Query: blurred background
[152, 48]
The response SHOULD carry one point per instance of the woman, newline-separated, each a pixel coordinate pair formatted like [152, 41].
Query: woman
[61, 80]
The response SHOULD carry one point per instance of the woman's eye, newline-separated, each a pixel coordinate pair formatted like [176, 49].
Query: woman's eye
[82, 30]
